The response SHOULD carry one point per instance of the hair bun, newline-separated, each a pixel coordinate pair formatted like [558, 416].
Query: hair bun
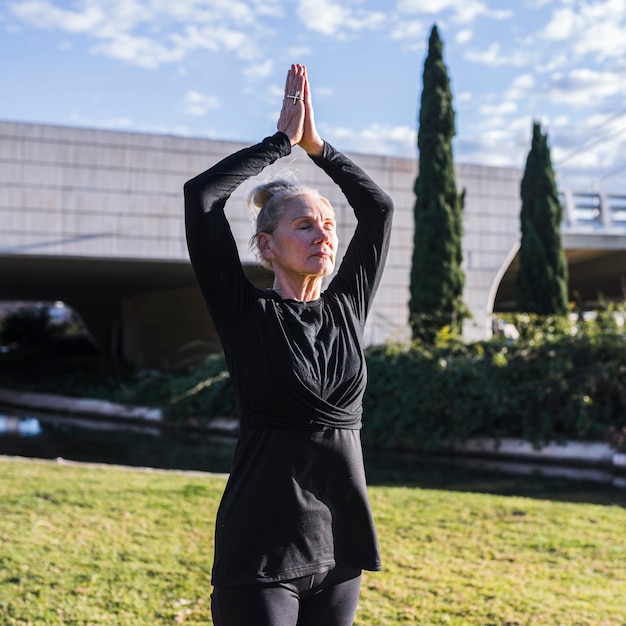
[262, 194]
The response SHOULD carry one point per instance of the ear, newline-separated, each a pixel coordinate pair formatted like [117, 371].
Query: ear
[264, 241]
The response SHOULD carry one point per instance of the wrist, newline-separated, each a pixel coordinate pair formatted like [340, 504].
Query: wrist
[313, 148]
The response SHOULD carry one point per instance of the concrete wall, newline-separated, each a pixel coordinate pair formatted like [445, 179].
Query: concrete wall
[84, 195]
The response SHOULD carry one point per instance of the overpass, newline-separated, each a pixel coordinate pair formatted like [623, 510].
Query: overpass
[593, 235]
[94, 218]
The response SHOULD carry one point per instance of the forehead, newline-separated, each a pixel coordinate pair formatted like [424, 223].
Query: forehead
[308, 206]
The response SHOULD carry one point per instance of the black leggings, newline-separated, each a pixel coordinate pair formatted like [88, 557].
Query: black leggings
[327, 599]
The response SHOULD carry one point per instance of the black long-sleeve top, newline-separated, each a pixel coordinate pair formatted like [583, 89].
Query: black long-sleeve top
[296, 502]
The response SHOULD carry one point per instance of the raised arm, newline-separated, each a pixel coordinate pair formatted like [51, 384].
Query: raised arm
[362, 265]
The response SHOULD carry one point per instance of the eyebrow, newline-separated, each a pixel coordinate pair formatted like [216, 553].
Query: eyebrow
[326, 218]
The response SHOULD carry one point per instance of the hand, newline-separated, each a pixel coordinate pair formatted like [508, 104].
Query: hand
[311, 142]
[292, 115]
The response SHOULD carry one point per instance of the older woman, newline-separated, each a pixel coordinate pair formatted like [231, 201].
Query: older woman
[294, 528]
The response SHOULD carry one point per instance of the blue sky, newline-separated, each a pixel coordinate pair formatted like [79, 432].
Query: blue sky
[216, 68]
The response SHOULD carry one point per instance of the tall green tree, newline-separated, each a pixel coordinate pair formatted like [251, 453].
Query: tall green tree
[437, 278]
[541, 282]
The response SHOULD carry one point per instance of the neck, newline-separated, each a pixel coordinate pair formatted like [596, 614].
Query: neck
[304, 291]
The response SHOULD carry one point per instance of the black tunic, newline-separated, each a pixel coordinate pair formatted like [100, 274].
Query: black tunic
[296, 501]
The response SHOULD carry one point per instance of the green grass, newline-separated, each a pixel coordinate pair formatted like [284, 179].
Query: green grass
[87, 545]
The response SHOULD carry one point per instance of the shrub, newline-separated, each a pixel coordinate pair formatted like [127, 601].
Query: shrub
[33, 327]
[562, 379]
[194, 397]
[26, 327]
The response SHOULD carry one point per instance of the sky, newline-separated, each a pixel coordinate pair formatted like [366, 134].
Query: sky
[216, 69]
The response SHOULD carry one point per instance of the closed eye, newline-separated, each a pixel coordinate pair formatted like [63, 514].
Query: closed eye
[307, 224]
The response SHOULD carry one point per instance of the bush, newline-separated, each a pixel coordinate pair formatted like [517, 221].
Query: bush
[560, 380]
[193, 398]
[27, 327]
[33, 328]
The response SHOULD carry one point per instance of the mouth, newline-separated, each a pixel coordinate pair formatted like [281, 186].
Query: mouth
[323, 255]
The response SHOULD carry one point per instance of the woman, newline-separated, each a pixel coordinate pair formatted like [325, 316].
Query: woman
[294, 528]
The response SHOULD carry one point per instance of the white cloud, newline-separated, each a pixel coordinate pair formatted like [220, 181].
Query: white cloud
[495, 143]
[299, 52]
[494, 57]
[561, 121]
[216, 39]
[139, 51]
[563, 60]
[42, 14]
[464, 11]
[376, 139]
[333, 18]
[591, 28]
[583, 87]
[409, 29]
[586, 146]
[118, 123]
[503, 108]
[128, 124]
[259, 71]
[562, 26]
[268, 8]
[464, 35]
[322, 15]
[520, 87]
[492, 150]
[555, 62]
[150, 33]
[196, 103]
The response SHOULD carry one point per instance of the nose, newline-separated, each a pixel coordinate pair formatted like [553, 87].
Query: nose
[321, 234]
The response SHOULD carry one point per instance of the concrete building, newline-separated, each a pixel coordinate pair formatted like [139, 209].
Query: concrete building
[94, 218]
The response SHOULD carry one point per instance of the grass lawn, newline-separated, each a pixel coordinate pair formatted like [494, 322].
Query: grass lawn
[87, 545]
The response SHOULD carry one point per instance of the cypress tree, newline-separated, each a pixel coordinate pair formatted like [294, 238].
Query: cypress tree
[541, 281]
[437, 278]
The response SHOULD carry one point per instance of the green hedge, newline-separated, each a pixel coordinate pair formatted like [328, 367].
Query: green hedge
[193, 398]
[559, 380]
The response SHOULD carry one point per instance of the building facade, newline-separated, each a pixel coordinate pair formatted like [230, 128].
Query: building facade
[94, 218]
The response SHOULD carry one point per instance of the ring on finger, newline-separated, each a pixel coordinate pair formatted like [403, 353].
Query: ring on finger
[296, 97]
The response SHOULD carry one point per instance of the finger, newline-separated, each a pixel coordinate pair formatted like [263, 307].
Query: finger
[289, 79]
[294, 85]
[307, 90]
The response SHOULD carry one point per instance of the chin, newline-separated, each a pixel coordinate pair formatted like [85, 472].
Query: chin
[327, 269]
[321, 267]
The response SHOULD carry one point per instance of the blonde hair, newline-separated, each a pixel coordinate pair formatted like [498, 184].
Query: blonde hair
[268, 203]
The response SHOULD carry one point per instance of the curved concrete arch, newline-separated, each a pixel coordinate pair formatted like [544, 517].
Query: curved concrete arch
[493, 292]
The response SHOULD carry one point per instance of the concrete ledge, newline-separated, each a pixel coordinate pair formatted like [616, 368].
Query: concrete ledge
[225, 425]
[78, 406]
[619, 460]
[571, 452]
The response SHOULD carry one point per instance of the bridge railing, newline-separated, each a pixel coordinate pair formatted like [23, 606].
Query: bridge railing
[594, 211]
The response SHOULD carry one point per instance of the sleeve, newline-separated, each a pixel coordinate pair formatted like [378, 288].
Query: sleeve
[361, 268]
[212, 247]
